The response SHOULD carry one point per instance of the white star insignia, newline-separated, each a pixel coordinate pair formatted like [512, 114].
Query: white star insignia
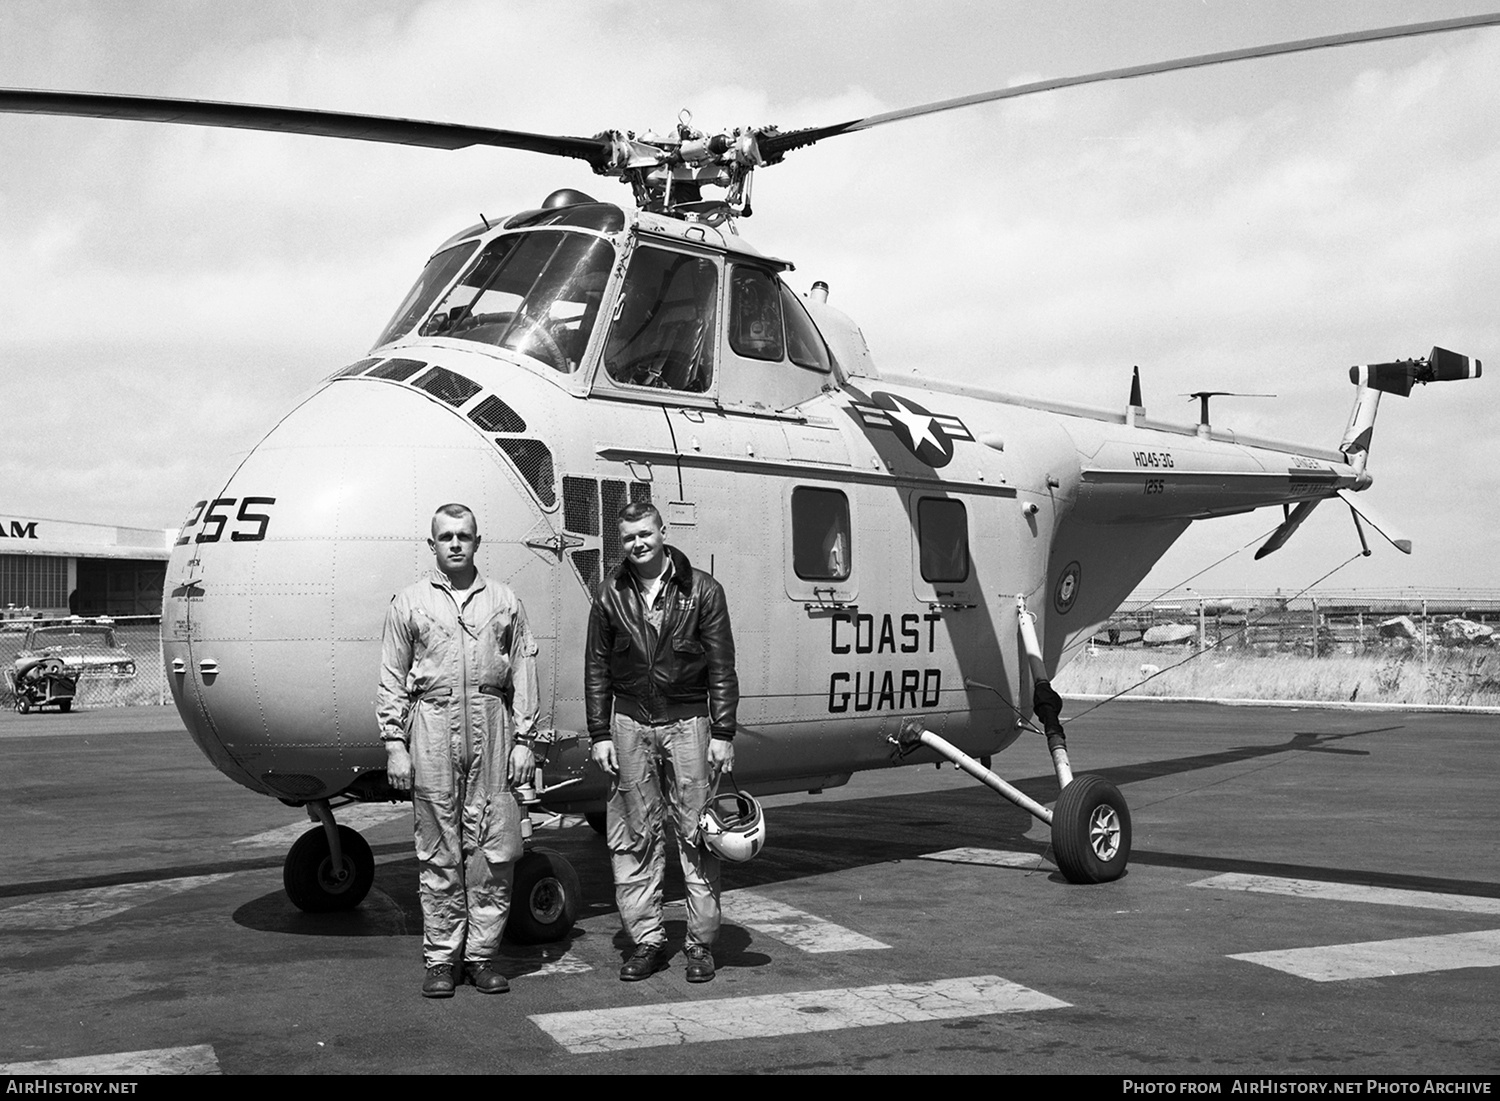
[918, 426]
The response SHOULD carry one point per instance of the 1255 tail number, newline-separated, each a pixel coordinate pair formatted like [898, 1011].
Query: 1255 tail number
[215, 516]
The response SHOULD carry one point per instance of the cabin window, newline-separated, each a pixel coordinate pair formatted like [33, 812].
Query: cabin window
[755, 327]
[662, 336]
[943, 531]
[438, 273]
[536, 293]
[820, 534]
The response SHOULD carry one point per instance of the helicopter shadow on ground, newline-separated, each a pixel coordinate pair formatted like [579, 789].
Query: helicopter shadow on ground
[393, 908]
[821, 838]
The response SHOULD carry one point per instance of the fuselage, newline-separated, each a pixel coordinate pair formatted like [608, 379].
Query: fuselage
[871, 536]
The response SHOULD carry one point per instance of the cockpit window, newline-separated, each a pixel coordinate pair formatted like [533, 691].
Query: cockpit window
[755, 328]
[536, 293]
[805, 345]
[663, 330]
[438, 273]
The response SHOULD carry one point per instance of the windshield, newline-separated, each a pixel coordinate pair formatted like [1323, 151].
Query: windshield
[438, 273]
[536, 293]
[43, 637]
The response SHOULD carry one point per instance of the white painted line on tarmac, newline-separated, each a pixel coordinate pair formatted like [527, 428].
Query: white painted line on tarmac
[693, 1022]
[528, 962]
[199, 1059]
[1378, 958]
[997, 858]
[793, 927]
[70, 909]
[359, 816]
[1351, 892]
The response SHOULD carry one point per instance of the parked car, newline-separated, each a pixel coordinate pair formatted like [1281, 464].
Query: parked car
[54, 656]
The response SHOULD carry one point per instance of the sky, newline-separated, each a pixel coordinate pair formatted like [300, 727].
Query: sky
[167, 292]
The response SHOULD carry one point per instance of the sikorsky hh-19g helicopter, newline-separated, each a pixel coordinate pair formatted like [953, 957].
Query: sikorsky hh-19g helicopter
[908, 563]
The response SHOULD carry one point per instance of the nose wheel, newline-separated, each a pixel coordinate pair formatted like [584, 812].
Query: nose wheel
[318, 884]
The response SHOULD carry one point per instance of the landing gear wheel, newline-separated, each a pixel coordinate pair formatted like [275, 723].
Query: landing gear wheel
[65, 706]
[544, 898]
[312, 882]
[1091, 831]
[23, 705]
[597, 820]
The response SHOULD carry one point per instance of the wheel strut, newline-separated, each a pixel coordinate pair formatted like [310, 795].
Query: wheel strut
[319, 811]
[1090, 822]
[912, 735]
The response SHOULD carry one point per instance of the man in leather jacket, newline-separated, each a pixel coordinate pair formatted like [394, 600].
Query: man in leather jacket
[457, 705]
[661, 695]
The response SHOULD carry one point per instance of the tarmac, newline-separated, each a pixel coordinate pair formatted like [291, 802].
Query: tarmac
[1310, 892]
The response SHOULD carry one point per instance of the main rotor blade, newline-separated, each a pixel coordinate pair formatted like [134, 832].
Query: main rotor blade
[772, 146]
[294, 120]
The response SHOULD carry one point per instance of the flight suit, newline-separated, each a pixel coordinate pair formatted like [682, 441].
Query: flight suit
[457, 670]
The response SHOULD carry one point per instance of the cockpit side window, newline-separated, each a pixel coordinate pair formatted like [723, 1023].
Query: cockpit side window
[805, 345]
[536, 293]
[662, 335]
[755, 328]
[438, 273]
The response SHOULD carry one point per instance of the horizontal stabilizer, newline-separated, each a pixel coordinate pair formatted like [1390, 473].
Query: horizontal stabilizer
[1391, 535]
[1292, 522]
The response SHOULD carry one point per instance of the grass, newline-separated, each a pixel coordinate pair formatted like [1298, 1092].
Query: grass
[1460, 676]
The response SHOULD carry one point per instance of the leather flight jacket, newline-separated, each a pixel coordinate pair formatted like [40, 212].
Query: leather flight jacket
[688, 672]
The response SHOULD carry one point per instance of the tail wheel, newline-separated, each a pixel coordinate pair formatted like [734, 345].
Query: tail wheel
[315, 885]
[596, 820]
[1091, 831]
[544, 898]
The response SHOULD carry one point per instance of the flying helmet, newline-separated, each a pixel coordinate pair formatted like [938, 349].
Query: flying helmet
[732, 825]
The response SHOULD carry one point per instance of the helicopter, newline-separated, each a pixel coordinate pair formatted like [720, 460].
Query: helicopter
[909, 561]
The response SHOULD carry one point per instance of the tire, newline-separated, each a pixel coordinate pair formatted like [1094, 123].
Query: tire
[596, 820]
[1091, 831]
[65, 706]
[308, 872]
[23, 704]
[543, 899]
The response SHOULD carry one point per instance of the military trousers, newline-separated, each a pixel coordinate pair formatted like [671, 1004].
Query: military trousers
[663, 776]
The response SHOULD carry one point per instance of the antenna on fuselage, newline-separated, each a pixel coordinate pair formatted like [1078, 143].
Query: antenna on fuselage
[1135, 407]
[1203, 395]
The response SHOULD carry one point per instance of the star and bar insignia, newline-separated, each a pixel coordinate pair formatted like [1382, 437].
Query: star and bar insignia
[929, 436]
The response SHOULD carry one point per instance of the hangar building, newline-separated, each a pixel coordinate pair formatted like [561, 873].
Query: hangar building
[61, 567]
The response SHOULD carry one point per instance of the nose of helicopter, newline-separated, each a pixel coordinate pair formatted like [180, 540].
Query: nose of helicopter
[278, 587]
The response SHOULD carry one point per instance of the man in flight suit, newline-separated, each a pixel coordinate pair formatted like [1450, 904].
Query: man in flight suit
[661, 654]
[457, 708]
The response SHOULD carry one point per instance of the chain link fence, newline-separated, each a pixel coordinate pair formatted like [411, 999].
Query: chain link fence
[117, 658]
[1435, 648]
[1316, 625]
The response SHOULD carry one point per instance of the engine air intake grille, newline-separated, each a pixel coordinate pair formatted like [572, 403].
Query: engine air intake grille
[293, 785]
[447, 386]
[581, 506]
[534, 460]
[398, 370]
[586, 562]
[493, 415]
